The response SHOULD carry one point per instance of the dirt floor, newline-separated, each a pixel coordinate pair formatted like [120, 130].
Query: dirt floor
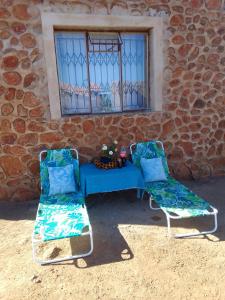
[132, 258]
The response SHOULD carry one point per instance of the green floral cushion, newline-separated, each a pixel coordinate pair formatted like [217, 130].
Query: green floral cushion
[60, 216]
[170, 195]
[175, 198]
[149, 150]
[57, 158]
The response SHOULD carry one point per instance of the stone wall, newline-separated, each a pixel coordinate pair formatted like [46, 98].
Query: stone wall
[191, 125]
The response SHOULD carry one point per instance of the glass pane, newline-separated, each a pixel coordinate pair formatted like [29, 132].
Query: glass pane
[72, 72]
[134, 71]
[105, 81]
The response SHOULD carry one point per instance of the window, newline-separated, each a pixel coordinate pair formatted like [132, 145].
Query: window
[102, 72]
[52, 24]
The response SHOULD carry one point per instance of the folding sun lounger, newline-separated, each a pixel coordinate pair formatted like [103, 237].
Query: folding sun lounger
[62, 215]
[173, 198]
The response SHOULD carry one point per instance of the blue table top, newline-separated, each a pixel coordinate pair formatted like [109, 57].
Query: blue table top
[94, 180]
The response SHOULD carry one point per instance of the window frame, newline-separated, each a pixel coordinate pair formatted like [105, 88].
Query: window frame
[147, 68]
[71, 22]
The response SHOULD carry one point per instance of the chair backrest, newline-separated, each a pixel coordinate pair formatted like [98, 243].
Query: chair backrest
[150, 149]
[57, 158]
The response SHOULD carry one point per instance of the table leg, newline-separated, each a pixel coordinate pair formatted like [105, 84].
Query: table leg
[140, 193]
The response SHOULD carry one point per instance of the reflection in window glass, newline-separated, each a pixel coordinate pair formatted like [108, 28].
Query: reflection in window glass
[72, 72]
[134, 71]
[104, 81]
[101, 72]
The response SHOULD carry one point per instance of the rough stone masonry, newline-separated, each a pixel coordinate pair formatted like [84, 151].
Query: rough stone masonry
[191, 124]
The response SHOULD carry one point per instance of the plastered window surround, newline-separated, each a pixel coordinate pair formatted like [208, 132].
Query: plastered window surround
[51, 21]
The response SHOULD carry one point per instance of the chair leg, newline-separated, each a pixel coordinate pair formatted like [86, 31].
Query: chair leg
[168, 219]
[168, 226]
[50, 261]
[183, 235]
[151, 206]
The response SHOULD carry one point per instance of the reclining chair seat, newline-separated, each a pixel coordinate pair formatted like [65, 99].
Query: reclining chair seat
[177, 199]
[61, 216]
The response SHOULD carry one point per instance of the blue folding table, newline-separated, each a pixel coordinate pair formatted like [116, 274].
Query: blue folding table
[94, 180]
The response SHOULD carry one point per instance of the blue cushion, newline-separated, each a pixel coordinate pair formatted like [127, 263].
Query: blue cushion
[153, 169]
[61, 180]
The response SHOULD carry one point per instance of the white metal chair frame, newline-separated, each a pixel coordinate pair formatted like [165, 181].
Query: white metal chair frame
[169, 216]
[36, 241]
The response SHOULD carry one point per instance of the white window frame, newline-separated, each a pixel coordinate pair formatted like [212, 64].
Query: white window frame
[63, 21]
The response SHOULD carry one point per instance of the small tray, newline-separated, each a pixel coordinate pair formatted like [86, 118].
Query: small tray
[109, 165]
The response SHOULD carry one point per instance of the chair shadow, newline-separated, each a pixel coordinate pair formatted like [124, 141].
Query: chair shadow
[107, 212]
[109, 247]
[109, 244]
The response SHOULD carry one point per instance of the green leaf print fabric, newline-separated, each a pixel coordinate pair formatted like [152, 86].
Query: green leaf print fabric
[175, 198]
[170, 195]
[62, 215]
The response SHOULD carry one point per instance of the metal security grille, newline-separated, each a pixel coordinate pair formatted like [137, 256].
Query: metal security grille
[102, 72]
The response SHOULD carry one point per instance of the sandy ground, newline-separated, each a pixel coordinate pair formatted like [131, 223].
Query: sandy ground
[132, 258]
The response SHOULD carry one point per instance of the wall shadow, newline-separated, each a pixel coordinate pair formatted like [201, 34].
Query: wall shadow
[15, 211]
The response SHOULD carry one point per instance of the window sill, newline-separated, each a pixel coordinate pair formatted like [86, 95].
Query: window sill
[130, 112]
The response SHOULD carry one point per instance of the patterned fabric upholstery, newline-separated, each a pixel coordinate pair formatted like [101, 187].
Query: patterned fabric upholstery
[57, 158]
[149, 150]
[170, 195]
[64, 215]
[177, 199]
[60, 216]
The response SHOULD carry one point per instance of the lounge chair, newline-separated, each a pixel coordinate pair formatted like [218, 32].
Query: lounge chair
[62, 215]
[173, 198]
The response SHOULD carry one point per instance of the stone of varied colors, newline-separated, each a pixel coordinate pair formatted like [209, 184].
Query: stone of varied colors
[214, 4]
[20, 11]
[37, 112]
[5, 34]
[176, 20]
[18, 27]
[30, 100]
[10, 94]
[196, 4]
[69, 129]
[12, 78]
[28, 139]
[28, 40]
[11, 165]
[4, 13]
[22, 111]
[34, 167]
[19, 125]
[88, 126]
[50, 137]
[14, 150]
[36, 127]
[8, 138]
[7, 109]
[30, 80]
